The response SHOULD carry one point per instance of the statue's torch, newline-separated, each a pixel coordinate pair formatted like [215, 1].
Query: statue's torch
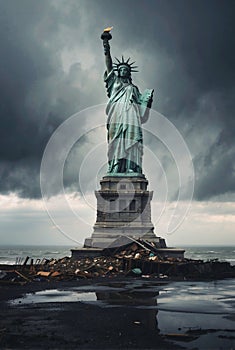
[106, 36]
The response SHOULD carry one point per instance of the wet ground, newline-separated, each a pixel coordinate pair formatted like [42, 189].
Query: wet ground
[130, 313]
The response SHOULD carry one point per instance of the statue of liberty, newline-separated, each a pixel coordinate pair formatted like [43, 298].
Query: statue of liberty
[127, 109]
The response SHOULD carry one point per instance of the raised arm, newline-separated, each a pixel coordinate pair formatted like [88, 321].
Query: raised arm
[108, 58]
[106, 36]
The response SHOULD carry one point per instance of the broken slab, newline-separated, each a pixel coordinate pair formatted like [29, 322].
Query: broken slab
[80, 253]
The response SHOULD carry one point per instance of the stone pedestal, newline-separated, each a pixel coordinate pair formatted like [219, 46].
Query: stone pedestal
[123, 209]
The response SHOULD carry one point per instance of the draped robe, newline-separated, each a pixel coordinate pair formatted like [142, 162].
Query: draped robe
[125, 114]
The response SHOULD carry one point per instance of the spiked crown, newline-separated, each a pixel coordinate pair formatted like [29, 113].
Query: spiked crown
[116, 66]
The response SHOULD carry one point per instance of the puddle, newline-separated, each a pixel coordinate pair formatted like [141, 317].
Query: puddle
[206, 306]
[136, 293]
[54, 296]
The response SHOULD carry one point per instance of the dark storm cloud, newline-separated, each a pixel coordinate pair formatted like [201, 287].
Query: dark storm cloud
[36, 93]
[216, 168]
[185, 51]
[20, 176]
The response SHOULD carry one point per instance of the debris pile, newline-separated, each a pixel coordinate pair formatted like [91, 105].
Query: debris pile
[139, 258]
[67, 268]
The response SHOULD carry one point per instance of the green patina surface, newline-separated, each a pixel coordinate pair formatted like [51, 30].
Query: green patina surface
[126, 111]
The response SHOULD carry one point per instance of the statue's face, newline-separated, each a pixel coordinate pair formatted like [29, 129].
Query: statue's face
[124, 72]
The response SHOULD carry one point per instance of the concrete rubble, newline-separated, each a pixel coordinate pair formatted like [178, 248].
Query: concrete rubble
[139, 258]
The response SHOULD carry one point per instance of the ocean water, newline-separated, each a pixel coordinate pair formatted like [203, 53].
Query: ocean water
[224, 253]
[13, 254]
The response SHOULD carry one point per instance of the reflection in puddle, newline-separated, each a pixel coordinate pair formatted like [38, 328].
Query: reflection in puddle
[54, 296]
[144, 316]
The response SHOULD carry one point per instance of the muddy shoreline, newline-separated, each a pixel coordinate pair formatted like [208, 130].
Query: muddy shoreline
[71, 325]
[133, 319]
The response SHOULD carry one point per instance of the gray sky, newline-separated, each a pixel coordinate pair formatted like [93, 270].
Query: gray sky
[52, 66]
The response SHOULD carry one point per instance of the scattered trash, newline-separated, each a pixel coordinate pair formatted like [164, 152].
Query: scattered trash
[55, 274]
[43, 273]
